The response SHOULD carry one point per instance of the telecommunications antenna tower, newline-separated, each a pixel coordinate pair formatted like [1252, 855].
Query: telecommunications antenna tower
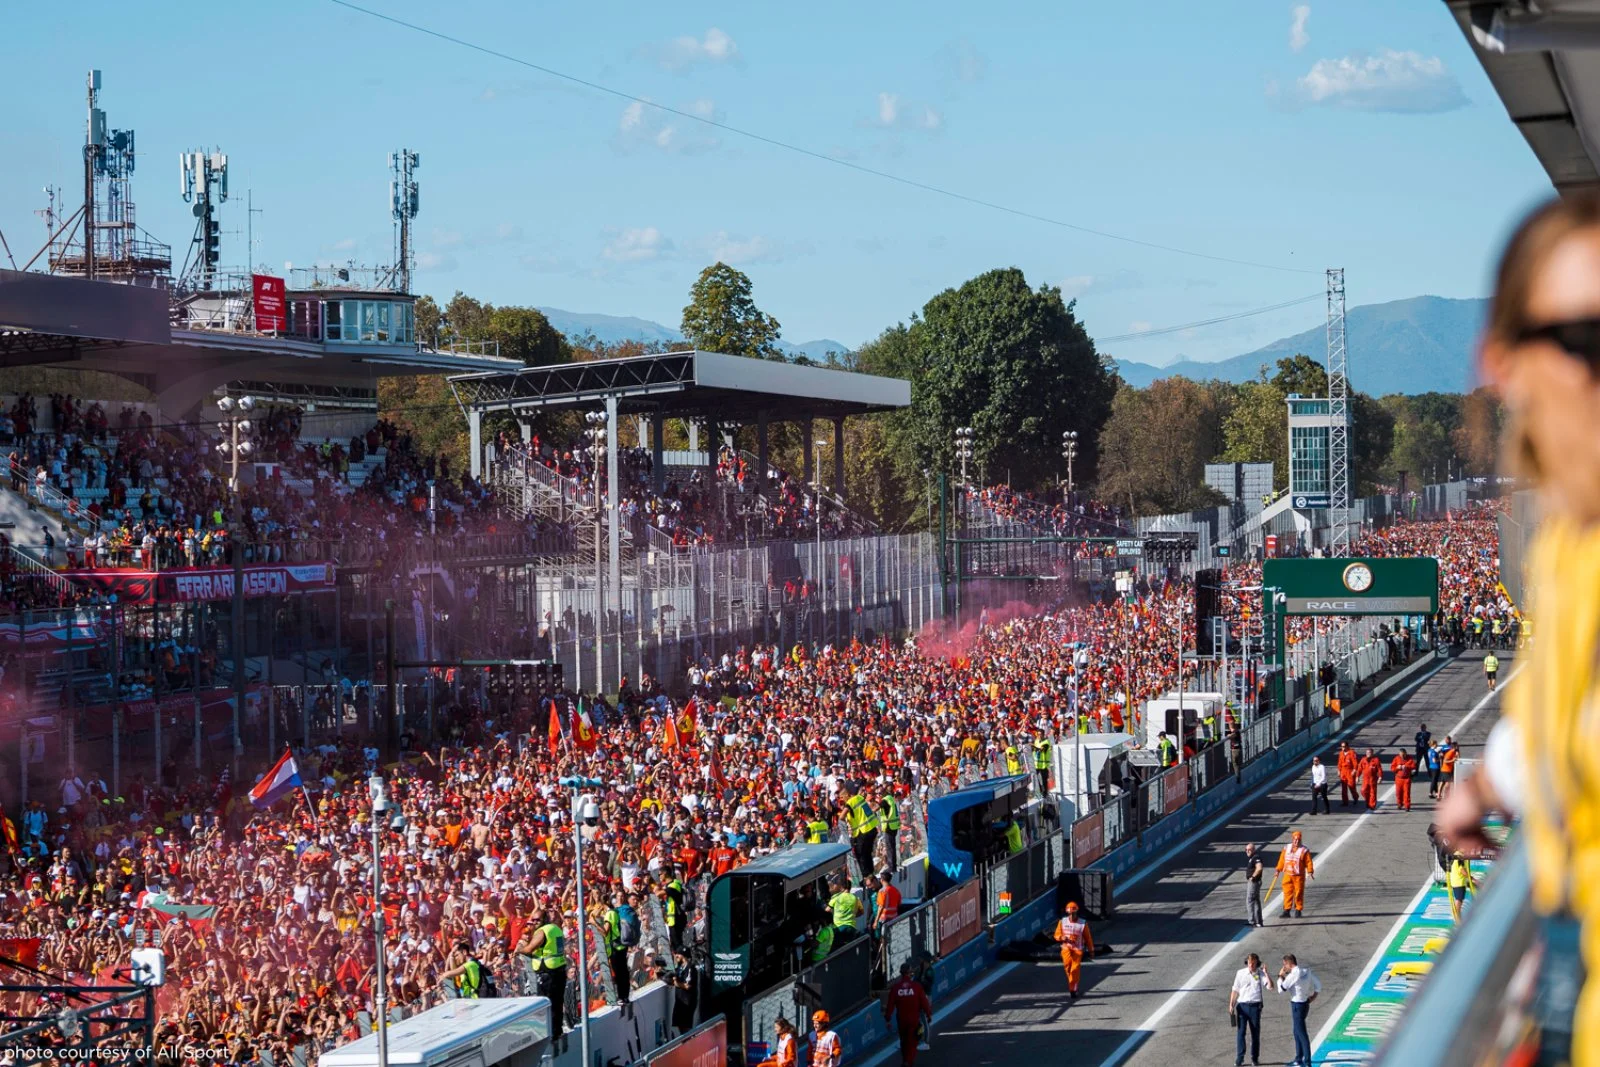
[1338, 419]
[403, 206]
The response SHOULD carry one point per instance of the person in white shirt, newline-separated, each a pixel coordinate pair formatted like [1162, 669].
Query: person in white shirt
[1302, 987]
[1244, 1007]
[1319, 786]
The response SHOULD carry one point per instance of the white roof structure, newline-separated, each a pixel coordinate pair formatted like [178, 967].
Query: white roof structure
[468, 1032]
[1545, 65]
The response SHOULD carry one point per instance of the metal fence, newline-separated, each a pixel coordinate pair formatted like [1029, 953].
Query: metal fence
[838, 985]
[1018, 879]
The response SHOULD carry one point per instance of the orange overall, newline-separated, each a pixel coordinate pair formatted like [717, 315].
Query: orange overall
[1347, 777]
[1403, 766]
[1294, 864]
[1073, 934]
[1371, 775]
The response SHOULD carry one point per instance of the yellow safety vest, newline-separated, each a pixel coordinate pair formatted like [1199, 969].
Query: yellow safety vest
[1041, 755]
[860, 814]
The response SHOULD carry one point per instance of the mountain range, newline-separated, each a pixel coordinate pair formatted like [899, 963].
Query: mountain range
[614, 328]
[1424, 344]
[1419, 345]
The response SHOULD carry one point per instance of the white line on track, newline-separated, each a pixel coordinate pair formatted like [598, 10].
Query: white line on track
[1145, 1028]
[1361, 979]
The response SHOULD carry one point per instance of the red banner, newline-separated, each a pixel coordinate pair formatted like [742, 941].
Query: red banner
[272, 309]
[1175, 788]
[959, 915]
[207, 583]
[25, 950]
[1270, 547]
[705, 1047]
[1088, 839]
[47, 635]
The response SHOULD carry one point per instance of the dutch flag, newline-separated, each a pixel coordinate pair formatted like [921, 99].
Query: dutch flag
[281, 780]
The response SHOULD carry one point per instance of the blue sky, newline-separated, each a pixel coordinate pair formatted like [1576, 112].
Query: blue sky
[1359, 134]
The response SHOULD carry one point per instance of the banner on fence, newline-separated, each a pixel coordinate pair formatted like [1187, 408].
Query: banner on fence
[1175, 788]
[206, 583]
[705, 1047]
[1088, 839]
[960, 916]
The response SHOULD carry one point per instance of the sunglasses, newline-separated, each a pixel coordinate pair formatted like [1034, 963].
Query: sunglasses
[1579, 338]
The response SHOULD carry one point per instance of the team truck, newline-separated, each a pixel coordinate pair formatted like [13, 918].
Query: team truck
[1180, 718]
[468, 1032]
[1086, 768]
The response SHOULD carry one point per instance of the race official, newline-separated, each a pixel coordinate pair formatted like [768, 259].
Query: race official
[1319, 786]
[1244, 1007]
[1302, 987]
[906, 1007]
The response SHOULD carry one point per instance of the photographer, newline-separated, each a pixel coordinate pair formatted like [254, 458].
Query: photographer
[685, 983]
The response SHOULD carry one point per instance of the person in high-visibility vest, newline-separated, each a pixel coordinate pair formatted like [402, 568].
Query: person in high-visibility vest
[821, 942]
[1013, 761]
[1013, 835]
[889, 821]
[863, 822]
[1295, 866]
[1041, 762]
[784, 1048]
[1491, 669]
[845, 909]
[1072, 934]
[545, 946]
[826, 1050]
[1461, 883]
[817, 831]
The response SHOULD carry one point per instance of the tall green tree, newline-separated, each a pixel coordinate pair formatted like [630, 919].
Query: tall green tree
[722, 316]
[1155, 445]
[525, 334]
[1016, 365]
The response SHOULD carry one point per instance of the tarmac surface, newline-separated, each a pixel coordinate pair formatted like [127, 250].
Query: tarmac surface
[1179, 936]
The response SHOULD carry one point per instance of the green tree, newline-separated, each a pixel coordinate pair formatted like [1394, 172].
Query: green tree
[466, 319]
[1017, 366]
[429, 316]
[883, 476]
[1154, 447]
[722, 316]
[1256, 430]
[525, 334]
[1300, 374]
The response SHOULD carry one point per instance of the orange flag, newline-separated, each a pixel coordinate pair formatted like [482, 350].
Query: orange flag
[555, 728]
[669, 735]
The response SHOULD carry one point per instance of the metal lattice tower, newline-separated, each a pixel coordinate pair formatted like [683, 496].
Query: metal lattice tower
[1338, 418]
[403, 204]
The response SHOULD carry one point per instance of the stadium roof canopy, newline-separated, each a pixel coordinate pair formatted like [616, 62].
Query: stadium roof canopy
[129, 330]
[1545, 66]
[689, 384]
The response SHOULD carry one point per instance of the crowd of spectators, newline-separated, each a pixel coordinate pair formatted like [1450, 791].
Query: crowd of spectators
[264, 915]
[1076, 515]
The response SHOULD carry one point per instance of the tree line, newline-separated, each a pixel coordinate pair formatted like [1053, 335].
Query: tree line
[1014, 363]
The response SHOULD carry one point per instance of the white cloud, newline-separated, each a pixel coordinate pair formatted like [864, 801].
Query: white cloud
[681, 54]
[643, 126]
[436, 261]
[894, 112]
[1083, 284]
[1402, 82]
[636, 245]
[962, 62]
[1138, 326]
[1077, 285]
[737, 250]
[345, 245]
[1298, 37]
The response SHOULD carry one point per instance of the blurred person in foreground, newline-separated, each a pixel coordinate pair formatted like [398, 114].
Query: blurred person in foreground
[1541, 353]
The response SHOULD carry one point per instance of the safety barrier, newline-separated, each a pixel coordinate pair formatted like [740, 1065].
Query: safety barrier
[910, 937]
[838, 985]
[1021, 878]
[704, 1046]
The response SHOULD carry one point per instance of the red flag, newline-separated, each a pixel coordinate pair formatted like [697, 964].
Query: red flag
[583, 730]
[686, 728]
[24, 950]
[8, 830]
[717, 776]
[555, 728]
[669, 735]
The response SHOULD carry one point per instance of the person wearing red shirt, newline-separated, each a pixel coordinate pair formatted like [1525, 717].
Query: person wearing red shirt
[723, 859]
[906, 1007]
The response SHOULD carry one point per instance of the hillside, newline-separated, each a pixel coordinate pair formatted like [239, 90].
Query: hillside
[1419, 345]
[614, 328]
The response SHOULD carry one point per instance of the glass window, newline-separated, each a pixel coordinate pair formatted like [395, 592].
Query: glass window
[352, 320]
[369, 320]
[383, 322]
[330, 309]
[408, 327]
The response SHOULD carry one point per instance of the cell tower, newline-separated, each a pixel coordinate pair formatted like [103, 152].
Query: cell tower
[203, 181]
[403, 206]
[1338, 419]
[112, 246]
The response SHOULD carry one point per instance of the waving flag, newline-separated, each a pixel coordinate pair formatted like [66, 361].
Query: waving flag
[669, 734]
[686, 727]
[8, 830]
[279, 782]
[717, 776]
[555, 728]
[583, 734]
